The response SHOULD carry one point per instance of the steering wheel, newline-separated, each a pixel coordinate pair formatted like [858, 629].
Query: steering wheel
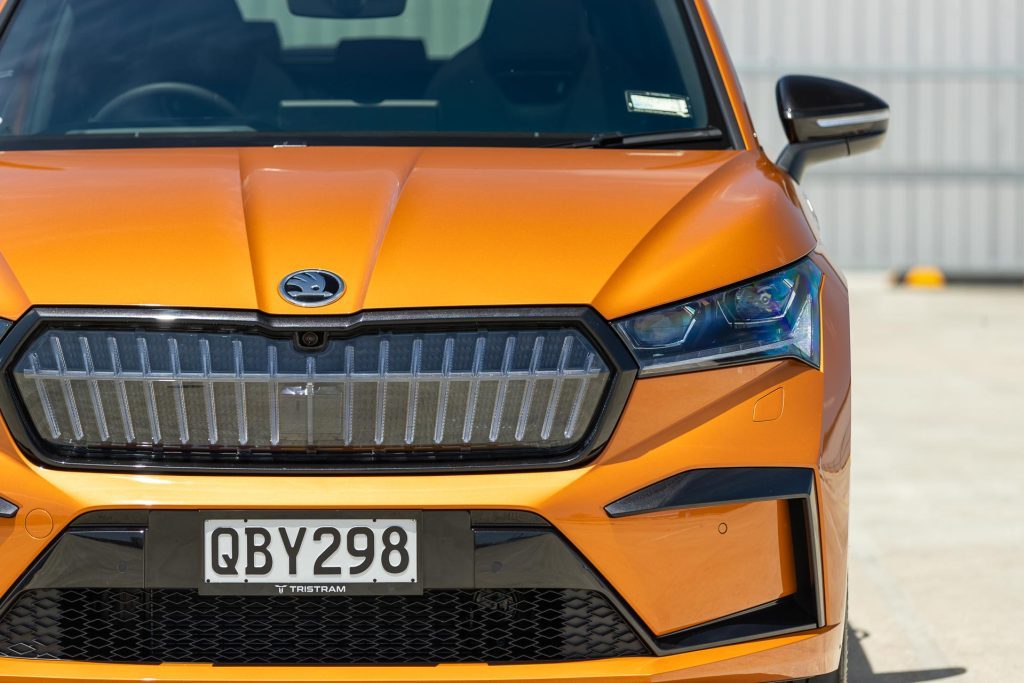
[164, 89]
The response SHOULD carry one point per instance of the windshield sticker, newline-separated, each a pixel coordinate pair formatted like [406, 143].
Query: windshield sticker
[658, 103]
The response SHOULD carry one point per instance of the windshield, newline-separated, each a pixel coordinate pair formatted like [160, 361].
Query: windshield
[444, 71]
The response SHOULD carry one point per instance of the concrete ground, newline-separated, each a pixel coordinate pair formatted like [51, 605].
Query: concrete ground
[937, 531]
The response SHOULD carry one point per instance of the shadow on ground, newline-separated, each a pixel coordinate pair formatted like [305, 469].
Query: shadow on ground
[861, 671]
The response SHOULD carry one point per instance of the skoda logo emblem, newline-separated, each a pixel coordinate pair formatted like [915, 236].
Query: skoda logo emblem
[312, 288]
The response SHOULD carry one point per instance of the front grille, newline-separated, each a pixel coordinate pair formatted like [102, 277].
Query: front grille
[441, 626]
[142, 395]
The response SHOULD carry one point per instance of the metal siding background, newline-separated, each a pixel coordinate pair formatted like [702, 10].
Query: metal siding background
[948, 189]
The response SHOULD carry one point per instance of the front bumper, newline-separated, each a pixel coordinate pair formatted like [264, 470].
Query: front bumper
[774, 660]
[674, 570]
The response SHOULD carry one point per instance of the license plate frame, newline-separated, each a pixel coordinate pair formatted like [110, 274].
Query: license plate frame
[316, 588]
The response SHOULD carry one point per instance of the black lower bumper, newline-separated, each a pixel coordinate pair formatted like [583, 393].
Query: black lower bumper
[498, 587]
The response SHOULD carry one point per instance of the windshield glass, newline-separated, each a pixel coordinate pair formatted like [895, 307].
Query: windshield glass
[448, 71]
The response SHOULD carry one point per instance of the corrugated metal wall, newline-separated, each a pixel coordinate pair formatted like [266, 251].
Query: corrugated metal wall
[949, 187]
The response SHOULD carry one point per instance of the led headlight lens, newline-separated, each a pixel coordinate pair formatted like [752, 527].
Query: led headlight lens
[776, 316]
[662, 329]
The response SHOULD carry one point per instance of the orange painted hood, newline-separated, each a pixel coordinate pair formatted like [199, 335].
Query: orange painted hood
[219, 228]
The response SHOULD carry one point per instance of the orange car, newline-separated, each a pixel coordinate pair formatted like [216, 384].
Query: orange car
[414, 340]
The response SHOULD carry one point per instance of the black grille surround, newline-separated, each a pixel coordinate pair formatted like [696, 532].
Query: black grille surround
[442, 626]
[623, 373]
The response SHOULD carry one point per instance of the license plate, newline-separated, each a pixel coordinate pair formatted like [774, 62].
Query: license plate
[310, 557]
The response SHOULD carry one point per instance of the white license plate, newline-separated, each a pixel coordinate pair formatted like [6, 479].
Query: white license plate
[310, 556]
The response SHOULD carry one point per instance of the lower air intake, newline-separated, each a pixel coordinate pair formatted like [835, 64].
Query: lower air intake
[457, 626]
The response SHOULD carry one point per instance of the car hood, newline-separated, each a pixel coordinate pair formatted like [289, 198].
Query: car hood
[406, 228]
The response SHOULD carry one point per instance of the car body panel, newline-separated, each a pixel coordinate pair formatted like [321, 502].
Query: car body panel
[406, 228]
[764, 661]
[836, 436]
[621, 231]
[710, 424]
[721, 560]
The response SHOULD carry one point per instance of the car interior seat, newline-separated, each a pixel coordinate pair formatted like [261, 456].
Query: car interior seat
[534, 68]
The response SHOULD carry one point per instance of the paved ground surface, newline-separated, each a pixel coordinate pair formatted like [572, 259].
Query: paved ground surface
[937, 536]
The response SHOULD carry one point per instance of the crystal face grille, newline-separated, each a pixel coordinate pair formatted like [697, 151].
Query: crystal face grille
[128, 395]
[454, 626]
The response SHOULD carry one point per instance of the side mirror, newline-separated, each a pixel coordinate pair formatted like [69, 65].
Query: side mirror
[826, 119]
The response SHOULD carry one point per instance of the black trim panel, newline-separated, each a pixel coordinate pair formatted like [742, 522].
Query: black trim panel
[8, 510]
[707, 488]
[586, 320]
[767, 621]
[503, 518]
[713, 73]
[111, 518]
[112, 558]
[5, 15]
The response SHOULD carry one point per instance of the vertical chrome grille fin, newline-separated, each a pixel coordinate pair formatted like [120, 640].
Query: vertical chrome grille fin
[310, 396]
[414, 392]
[274, 395]
[349, 395]
[531, 387]
[502, 395]
[382, 393]
[122, 390]
[556, 389]
[44, 397]
[179, 391]
[94, 390]
[443, 389]
[150, 392]
[67, 389]
[241, 410]
[209, 396]
[473, 396]
[581, 394]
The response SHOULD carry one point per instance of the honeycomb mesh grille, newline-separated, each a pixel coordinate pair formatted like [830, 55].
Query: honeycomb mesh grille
[456, 626]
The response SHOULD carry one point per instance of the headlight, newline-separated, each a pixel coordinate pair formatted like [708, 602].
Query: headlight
[775, 316]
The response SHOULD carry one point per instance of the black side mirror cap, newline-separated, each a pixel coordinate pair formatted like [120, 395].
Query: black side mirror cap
[826, 119]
